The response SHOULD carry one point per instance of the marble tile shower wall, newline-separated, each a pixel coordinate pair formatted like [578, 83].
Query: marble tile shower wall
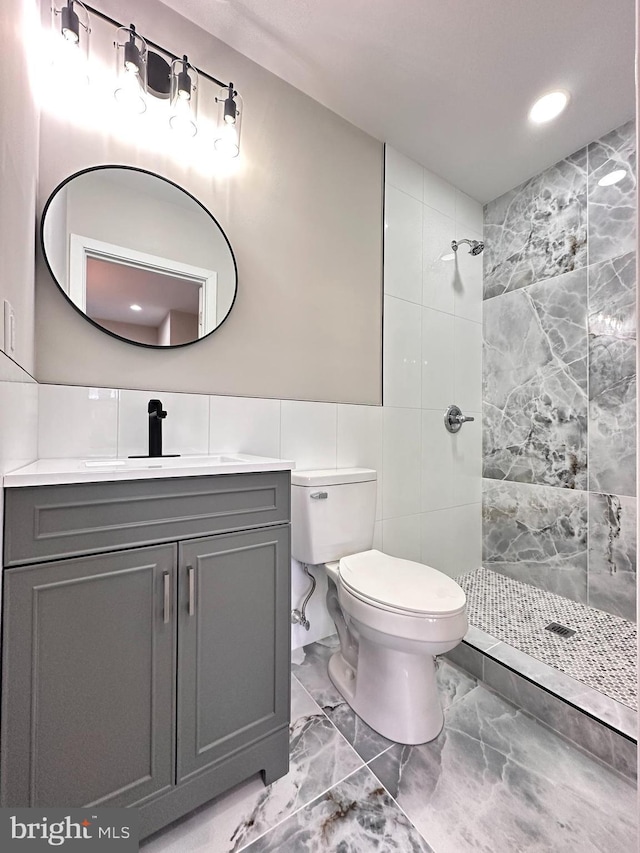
[559, 378]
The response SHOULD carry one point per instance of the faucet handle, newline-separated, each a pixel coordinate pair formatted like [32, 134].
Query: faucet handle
[155, 408]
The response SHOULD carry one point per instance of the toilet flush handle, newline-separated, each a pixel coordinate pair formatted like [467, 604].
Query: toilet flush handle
[319, 496]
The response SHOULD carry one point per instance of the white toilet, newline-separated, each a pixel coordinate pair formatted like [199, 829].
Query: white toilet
[392, 615]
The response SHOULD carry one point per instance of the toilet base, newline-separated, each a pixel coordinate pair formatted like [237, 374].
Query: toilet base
[394, 692]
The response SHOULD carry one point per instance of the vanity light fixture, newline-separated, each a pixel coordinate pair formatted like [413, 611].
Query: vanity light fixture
[72, 23]
[548, 107]
[227, 141]
[184, 97]
[612, 178]
[131, 68]
[146, 69]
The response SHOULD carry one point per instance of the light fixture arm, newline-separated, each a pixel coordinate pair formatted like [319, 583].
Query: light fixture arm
[152, 44]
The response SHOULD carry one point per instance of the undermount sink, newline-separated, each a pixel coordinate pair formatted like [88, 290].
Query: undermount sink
[167, 461]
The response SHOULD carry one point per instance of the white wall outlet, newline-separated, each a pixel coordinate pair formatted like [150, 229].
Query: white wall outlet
[9, 329]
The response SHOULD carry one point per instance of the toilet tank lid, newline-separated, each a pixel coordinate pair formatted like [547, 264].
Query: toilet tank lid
[332, 476]
[412, 587]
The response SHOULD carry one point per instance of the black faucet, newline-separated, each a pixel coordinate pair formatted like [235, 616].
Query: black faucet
[156, 415]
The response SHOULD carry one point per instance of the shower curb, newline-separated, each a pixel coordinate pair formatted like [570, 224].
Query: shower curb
[592, 721]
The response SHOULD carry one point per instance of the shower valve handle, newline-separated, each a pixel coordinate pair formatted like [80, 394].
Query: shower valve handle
[453, 419]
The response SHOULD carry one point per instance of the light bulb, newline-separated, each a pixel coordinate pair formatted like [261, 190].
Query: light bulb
[129, 95]
[181, 120]
[227, 141]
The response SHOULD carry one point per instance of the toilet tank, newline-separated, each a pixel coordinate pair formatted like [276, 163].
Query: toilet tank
[332, 513]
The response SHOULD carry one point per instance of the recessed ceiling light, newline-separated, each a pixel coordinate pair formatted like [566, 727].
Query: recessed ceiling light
[448, 257]
[548, 106]
[135, 307]
[612, 178]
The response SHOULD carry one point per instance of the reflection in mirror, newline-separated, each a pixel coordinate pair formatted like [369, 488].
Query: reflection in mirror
[138, 256]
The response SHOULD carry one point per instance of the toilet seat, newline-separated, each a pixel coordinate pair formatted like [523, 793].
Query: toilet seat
[402, 587]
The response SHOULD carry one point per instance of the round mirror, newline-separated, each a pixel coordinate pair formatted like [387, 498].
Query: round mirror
[140, 257]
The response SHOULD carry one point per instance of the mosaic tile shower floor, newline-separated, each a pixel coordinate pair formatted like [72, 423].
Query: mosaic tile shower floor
[602, 653]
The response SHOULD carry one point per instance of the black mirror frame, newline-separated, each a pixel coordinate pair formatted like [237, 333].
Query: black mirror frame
[86, 316]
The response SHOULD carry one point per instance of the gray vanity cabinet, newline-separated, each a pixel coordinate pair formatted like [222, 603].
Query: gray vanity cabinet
[154, 673]
[88, 670]
[233, 686]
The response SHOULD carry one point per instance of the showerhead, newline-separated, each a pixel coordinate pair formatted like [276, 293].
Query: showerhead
[476, 246]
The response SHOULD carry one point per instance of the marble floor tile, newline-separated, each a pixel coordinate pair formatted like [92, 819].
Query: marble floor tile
[312, 673]
[357, 816]
[320, 757]
[497, 780]
[614, 749]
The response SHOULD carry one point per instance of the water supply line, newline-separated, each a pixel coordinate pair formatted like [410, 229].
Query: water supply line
[299, 617]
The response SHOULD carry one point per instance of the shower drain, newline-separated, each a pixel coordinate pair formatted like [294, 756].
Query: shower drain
[560, 630]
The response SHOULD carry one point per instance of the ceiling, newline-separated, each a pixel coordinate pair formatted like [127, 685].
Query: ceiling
[110, 295]
[447, 82]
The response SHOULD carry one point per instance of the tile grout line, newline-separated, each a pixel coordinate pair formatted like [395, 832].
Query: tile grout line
[301, 807]
[367, 764]
[399, 807]
[326, 790]
[322, 711]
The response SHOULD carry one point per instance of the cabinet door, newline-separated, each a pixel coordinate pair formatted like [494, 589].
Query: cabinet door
[87, 680]
[233, 644]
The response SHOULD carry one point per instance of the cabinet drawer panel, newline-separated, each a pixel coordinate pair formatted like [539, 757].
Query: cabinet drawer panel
[48, 522]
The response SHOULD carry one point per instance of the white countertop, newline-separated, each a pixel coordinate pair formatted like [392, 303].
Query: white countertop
[51, 472]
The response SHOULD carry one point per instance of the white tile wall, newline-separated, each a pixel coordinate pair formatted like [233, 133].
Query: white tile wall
[403, 246]
[401, 537]
[18, 425]
[360, 442]
[77, 422]
[437, 193]
[467, 360]
[438, 267]
[432, 496]
[244, 425]
[402, 353]
[400, 462]
[438, 359]
[309, 433]
[404, 173]
[468, 212]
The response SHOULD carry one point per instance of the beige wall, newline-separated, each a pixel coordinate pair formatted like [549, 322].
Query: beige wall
[18, 171]
[303, 214]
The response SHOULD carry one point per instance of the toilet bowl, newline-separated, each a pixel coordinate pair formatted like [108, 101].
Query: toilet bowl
[393, 616]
